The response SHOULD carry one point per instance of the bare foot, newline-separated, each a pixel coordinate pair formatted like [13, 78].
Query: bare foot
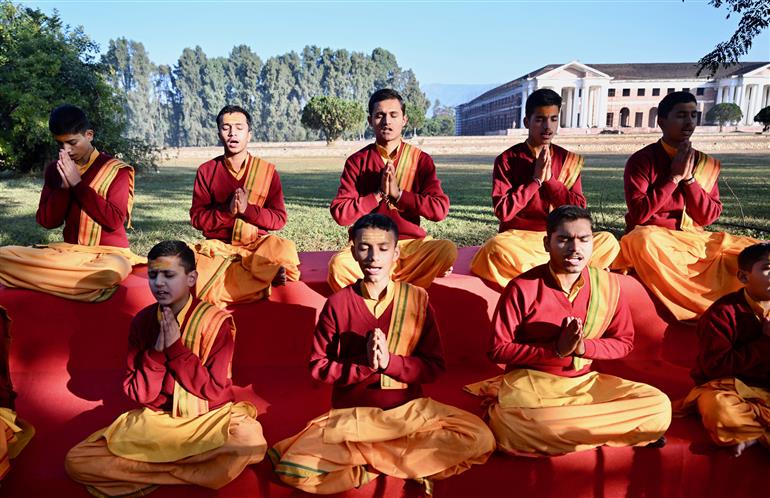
[448, 272]
[280, 277]
[660, 443]
[739, 448]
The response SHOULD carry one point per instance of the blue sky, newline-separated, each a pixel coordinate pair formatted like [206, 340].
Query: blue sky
[442, 41]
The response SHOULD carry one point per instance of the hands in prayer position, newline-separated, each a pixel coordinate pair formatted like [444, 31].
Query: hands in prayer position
[570, 341]
[169, 330]
[239, 202]
[389, 190]
[377, 350]
[683, 163]
[543, 170]
[68, 170]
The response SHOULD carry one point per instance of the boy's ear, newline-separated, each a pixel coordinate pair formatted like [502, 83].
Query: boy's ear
[743, 276]
[547, 243]
[89, 134]
[192, 278]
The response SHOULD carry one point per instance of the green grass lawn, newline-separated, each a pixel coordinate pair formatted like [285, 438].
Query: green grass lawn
[163, 201]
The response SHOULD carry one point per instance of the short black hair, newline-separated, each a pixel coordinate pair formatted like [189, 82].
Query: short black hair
[669, 101]
[386, 94]
[174, 248]
[567, 212]
[374, 220]
[233, 109]
[541, 98]
[750, 255]
[68, 119]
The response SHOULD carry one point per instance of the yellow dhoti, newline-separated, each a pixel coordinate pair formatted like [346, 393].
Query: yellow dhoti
[511, 253]
[243, 273]
[732, 412]
[77, 272]
[232, 429]
[535, 413]
[420, 262]
[15, 433]
[346, 448]
[687, 271]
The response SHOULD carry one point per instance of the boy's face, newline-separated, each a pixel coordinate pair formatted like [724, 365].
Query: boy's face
[679, 125]
[76, 145]
[234, 133]
[168, 281]
[570, 246]
[375, 251]
[542, 125]
[757, 281]
[387, 120]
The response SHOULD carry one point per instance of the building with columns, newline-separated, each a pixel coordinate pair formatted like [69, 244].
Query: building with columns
[615, 96]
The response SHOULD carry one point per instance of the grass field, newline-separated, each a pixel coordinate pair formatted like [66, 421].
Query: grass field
[163, 201]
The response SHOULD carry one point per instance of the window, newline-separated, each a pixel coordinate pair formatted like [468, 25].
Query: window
[611, 93]
[655, 92]
[626, 92]
[699, 91]
[610, 117]
[686, 90]
[640, 92]
[638, 117]
[670, 90]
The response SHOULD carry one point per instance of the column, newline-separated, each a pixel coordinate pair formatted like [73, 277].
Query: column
[574, 106]
[523, 103]
[740, 100]
[602, 123]
[719, 95]
[584, 107]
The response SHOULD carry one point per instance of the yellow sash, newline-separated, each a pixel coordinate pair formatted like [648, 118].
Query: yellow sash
[259, 176]
[198, 335]
[406, 166]
[571, 168]
[706, 173]
[410, 307]
[90, 232]
[605, 294]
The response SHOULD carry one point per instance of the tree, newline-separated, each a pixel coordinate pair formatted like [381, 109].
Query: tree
[724, 113]
[416, 102]
[243, 69]
[442, 123]
[763, 117]
[332, 116]
[755, 16]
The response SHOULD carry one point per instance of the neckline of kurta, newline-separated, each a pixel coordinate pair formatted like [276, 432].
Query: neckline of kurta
[383, 152]
[572, 293]
[532, 149]
[94, 155]
[670, 150]
[375, 306]
[759, 310]
[238, 175]
[182, 313]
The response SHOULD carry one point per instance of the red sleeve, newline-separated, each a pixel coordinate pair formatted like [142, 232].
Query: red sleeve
[54, 200]
[272, 216]
[205, 213]
[146, 366]
[509, 199]
[617, 341]
[208, 381]
[703, 207]
[7, 395]
[720, 354]
[430, 202]
[111, 212]
[425, 363]
[324, 356]
[508, 318]
[644, 198]
[348, 205]
[559, 195]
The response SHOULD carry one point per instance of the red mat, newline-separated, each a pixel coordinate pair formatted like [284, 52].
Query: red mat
[67, 362]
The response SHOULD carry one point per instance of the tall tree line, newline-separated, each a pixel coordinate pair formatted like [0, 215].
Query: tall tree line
[176, 106]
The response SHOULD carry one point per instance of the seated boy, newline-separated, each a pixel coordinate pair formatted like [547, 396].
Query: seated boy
[377, 341]
[733, 367]
[92, 194]
[15, 433]
[179, 361]
[237, 198]
[550, 323]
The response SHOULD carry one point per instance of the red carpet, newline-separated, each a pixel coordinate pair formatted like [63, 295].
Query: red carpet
[67, 361]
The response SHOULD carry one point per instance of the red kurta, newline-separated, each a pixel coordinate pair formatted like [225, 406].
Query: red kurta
[519, 202]
[338, 354]
[212, 193]
[152, 374]
[361, 180]
[63, 205]
[527, 323]
[731, 343]
[653, 199]
[7, 395]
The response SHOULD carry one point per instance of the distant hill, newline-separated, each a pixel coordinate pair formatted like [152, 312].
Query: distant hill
[454, 94]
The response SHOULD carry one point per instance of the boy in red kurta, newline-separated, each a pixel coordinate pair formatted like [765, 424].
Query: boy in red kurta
[528, 181]
[92, 194]
[377, 341]
[672, 193]
[550, 323]
[733, 367]
[397, 179]
[190, 431]
[237, 198]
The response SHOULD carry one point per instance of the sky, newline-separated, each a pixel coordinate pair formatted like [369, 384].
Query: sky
[449, 42]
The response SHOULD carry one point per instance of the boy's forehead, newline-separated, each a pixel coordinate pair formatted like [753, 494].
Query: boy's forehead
[685, 107]
[372, 235]
[387, 105]
[579, 227]
[68, 136]
[163, 263]
[546, 110]
[234, 118]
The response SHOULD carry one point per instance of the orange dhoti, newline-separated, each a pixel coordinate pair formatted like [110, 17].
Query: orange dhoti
[687, 271]
[535, 413]
[15, 433]
[420, 262]
[732, 412]
[347, 448]
[243, 273]
[511, 253]
[77, 272]
[232, 430]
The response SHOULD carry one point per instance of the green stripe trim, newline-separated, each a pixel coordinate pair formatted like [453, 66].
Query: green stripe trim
[300, 467]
